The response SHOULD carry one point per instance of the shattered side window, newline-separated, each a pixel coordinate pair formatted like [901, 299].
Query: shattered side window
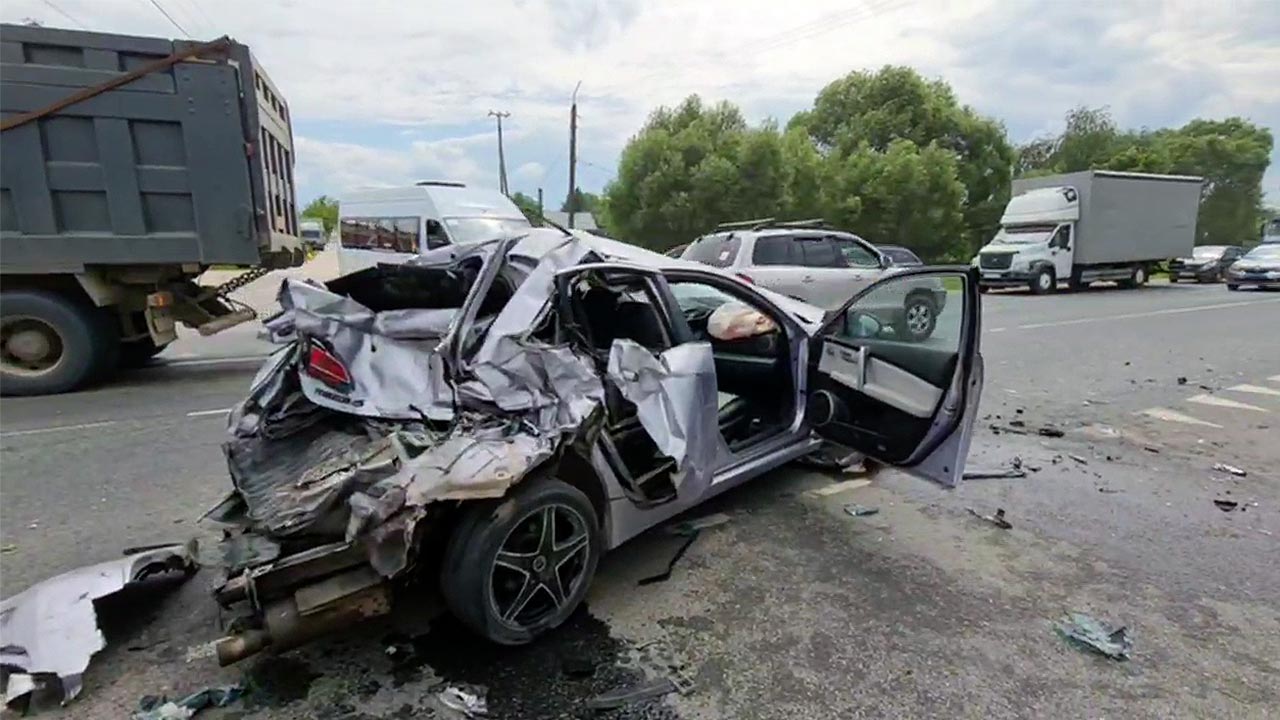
[387, 234]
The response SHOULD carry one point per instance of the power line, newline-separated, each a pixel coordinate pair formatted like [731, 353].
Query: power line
[65, 14]
[170, 18]
[204, 17]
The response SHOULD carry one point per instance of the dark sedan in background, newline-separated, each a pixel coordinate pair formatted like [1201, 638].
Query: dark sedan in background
[1260, 267]
[1208, 263]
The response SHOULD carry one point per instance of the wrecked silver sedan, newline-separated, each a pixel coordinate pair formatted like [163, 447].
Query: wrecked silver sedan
[494, 418]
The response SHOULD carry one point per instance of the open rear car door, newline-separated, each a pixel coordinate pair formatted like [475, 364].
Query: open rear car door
[896, 373]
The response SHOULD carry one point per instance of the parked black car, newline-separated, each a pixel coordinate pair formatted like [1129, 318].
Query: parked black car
[1208, 263]
[900, 256]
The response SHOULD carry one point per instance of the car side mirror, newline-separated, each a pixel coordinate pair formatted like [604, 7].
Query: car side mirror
[862, 326]
[885, 262]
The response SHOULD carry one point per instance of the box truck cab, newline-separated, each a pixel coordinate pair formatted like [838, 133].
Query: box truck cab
[1090, 226]
[392, 225]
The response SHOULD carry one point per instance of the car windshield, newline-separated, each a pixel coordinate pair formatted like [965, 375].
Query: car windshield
[901, 256]
[1208, 252]
[1025, 234]
[1264, 252]
[466, 230]
[713, 250]
[310, 233]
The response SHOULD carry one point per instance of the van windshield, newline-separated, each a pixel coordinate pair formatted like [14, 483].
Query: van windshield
[467, 230]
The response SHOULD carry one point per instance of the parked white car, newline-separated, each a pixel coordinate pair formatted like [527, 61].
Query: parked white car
[821, 266]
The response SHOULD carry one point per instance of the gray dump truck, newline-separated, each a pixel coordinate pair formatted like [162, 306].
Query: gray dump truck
[129, 166]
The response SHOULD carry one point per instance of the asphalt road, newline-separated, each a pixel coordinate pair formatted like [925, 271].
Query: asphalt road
[793, 609]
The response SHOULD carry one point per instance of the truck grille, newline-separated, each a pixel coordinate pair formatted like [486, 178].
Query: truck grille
[995, 261]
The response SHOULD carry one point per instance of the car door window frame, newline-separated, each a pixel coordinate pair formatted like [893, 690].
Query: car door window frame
[968, 348]
[787, 241]
[877, 258]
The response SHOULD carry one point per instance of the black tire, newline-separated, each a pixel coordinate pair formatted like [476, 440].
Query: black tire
[983, 288]
[81, 343]
[137, 353]
[1137, 278]
[1233, 287]
[474, 583]
[1044, 282]
[919, 317]
[1173, 279]
[1077, 283]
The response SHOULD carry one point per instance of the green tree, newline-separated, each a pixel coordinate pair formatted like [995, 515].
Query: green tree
[872, 110]
[582, 202]
[324, 209]
[684, 172]
[528, 206]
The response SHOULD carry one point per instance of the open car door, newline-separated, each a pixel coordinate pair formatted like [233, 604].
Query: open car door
[896, 372]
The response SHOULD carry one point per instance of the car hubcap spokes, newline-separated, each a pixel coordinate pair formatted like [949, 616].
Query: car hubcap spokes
[918, 318]
[539, 566]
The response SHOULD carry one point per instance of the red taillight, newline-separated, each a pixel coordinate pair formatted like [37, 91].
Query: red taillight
[323, 366]
[746, 277]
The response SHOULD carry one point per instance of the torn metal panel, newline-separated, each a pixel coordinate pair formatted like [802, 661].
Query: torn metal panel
[677, 402]
[51, 627]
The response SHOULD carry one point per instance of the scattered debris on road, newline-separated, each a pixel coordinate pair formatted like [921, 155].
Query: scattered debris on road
[1108, 491]
[1151, 449]
[1231, 469]
[671, 564]
[1182, 380]
[857, 510]
[994, 473]
[615, 699]
[1096, 635]
[834, 488]
[154, 707]
[471, 703]
[8, 548]
[1080, 459]
[52, 626]
[1050, 431]
[998, 519]
[1226, 505]
[578, 666]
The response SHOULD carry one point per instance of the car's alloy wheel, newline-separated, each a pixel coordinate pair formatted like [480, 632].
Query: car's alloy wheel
[920, 319]
[517, 567]
[540, 565]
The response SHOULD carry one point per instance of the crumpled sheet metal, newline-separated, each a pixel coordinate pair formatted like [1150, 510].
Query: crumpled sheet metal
[52, 627]
[395, 368]
[677, 402]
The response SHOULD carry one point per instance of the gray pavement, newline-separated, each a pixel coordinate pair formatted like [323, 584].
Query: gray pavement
[793, 609]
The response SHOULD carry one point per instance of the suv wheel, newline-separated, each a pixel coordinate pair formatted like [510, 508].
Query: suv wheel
[517, 567]
[920, 316]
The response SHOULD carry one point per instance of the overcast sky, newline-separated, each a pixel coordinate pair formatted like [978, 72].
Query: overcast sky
[386, 92]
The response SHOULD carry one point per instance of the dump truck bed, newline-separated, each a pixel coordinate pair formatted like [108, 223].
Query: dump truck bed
[191, 163]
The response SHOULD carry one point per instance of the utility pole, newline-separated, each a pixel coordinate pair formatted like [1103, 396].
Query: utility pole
[573, 153]
[541, 212]
[502, 159]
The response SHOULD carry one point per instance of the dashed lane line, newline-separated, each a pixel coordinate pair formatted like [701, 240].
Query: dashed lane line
[1274, 378]
[59, 428]
[1175, 416]
[1216, 401]
[1256, 389]
[208, 413]
[1136, 315]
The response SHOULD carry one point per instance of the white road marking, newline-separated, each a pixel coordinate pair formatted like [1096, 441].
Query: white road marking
[1216, 401]
[1175, 416]
[1274, 378]
[60, 428]
[203, 413]
[1151, 313]
[216, 361]
[995, 330]
[834, 488]
[1255, 389]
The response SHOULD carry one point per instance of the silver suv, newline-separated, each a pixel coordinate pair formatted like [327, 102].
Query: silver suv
[819, 265]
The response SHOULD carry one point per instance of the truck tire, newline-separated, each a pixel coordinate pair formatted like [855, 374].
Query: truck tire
[1137, 279]
[52, 344]
[1044, 282]
[1233, 287]
[484, 591]
[1077, 283]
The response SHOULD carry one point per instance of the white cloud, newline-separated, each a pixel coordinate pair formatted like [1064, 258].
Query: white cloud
[383, 62]
[530, 172]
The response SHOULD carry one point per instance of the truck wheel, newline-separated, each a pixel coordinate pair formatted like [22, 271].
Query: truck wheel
[1137, 279]
[1077, 283]
[51, 344]
[1044, 282]
[1232, 286]
[919, 316]
[983, 288]
[517, 567]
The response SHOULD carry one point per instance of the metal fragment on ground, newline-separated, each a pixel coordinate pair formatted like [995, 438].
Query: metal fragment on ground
[857, 510]
[52, 626]
[998, 519]
[470, 704]
[158, 708]
[1231, 469]
[615, 699]
[1097, 635]
[993, 473]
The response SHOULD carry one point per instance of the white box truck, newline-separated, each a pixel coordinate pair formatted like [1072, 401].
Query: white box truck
[1090, 226]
